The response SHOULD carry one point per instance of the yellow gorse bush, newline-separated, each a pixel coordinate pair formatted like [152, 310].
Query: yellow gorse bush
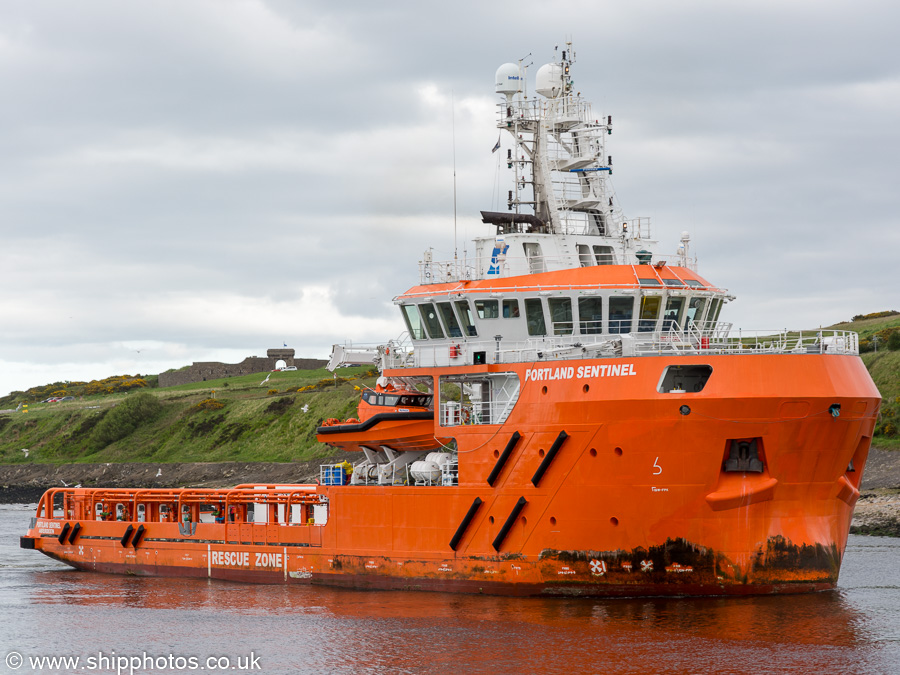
[111, 385]
[210, 404]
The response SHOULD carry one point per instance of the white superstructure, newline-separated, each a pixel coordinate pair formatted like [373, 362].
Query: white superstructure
[566, 276]
[561, 208]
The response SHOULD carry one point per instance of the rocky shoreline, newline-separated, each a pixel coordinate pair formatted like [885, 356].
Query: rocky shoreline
[877, 511]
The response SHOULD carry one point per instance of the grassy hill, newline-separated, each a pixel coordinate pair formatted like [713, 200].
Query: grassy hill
[884, 367]
[234, 419]
[879, 325]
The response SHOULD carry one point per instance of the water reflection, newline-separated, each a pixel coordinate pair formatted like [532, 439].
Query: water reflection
[317, 629]
[820, 618]
[485, 628]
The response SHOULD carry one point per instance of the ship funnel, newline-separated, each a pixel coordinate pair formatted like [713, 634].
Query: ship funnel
[508, 80]
[549, 80]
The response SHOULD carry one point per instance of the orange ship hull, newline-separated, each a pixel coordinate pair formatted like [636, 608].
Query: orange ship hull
[599, 485]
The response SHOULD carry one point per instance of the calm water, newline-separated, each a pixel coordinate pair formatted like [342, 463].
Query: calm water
[48, 609]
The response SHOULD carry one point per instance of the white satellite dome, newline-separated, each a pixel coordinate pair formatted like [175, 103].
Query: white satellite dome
[549, 80]
[508, 79]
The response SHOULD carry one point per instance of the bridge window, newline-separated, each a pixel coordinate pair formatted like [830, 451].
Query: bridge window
[453, 329]
[621, 311]
[465, 315]
[510, 309]
[561, 315]
[674, 307]
[714, 308]
[429, 316]
[487, 309]
[650, 306]
[604, 255]
[590, 316]
[413, 322]
[673, 282]
[695, 310]
[534, 314]
[649, 282]
[694, 283]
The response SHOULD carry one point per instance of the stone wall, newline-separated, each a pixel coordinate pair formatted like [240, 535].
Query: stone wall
[201, 371]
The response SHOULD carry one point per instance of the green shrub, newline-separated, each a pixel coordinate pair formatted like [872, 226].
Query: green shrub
[122, 420]
[893, 342]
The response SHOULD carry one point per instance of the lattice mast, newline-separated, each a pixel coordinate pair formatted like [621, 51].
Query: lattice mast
[559, 159]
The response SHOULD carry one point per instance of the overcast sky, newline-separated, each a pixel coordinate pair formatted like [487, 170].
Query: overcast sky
[202, 180]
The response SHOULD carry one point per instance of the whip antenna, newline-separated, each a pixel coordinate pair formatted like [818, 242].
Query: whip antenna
[453, 126]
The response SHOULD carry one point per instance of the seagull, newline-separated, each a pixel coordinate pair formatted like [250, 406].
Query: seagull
[265, 380]
[25, 450]
[64, 483]
[158, 473]
[305, 408]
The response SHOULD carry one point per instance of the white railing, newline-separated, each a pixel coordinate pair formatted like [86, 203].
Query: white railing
[454, 413]
[439, 272]
[450, 473]
[754, 342]
[568, 107]
[696, 339]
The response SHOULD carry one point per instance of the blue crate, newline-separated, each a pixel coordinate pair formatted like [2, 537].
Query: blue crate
[333, 475]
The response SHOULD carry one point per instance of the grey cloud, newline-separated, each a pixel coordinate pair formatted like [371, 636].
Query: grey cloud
[221, 151]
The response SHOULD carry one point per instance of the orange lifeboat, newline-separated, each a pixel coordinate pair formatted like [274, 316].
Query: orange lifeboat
[403, 420]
